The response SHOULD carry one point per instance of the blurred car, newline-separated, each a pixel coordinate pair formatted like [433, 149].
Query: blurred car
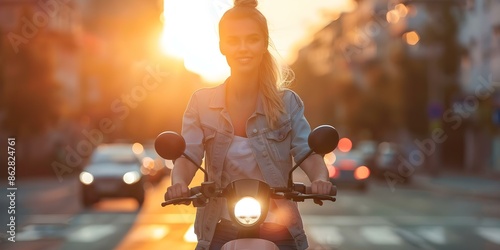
[368, 149]
[114, 170]
[347, 166]
[153, 166]
[388, 160]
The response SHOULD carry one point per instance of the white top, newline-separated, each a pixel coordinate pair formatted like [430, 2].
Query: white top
[240, 163]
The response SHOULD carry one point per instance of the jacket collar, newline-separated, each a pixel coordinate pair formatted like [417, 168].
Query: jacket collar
[218, 100]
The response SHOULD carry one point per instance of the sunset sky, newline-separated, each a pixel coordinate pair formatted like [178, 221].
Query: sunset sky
[190, 29]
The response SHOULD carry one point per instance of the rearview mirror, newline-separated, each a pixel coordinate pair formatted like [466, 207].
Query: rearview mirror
[323, 139]
[170, 145]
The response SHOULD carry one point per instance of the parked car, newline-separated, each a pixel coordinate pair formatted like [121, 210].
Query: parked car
[114, 170]
[347, 166]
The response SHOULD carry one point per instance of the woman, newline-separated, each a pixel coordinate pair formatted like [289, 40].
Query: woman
[247, 127]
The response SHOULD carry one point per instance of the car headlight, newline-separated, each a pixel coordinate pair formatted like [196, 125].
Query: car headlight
[247, 211]
[131, 177]
[86, 178]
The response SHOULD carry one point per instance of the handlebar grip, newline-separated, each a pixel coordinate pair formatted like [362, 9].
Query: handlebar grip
[194, 190]
[177, 201]
[183, 200]
[333, 190]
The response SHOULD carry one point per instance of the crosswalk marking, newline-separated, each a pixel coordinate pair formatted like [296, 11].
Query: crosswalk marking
[380, 235]
[326, 235]
[414, 239]
[91, 233]
[34, 232]
[388, 235]
[345, 220]
[354, 220]
[435, 235]
[336, 231]
[28, 234]
[490, 233]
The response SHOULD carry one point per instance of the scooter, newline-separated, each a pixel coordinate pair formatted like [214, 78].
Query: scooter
[248, 199]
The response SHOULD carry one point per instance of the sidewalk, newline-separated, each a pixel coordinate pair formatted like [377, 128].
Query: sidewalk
[477, 186]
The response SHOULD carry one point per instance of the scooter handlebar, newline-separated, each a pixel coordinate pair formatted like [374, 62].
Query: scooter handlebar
[195, 197]
[302, 188]
[301, 192]
[333, 190]
[178, 201]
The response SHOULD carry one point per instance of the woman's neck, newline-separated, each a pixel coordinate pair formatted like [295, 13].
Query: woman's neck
[243, 87]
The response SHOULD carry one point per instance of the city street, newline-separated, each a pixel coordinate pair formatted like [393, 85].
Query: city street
[412, 88]
[50, 217]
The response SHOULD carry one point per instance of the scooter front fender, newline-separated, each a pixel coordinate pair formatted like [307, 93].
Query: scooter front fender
[250, 244]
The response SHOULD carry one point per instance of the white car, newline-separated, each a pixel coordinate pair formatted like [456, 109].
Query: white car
[114, 170]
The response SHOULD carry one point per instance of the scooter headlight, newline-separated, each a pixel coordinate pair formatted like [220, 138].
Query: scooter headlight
[247, 202]
[247, 211]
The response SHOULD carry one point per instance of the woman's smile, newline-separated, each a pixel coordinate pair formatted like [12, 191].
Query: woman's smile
[244, 60]
[243, 44]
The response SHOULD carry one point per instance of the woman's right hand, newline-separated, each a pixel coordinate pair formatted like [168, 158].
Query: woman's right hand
[178, 190]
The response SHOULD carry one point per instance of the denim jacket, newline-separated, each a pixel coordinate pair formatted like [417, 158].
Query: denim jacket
[208, 132]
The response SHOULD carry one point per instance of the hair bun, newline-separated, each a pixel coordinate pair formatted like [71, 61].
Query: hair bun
[245, 3]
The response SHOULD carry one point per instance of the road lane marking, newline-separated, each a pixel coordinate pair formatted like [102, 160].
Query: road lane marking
[91, 233]
[326, 235]
[490, 233]
[380, 235]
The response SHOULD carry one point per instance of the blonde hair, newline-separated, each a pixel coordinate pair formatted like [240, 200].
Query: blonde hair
[272, 78]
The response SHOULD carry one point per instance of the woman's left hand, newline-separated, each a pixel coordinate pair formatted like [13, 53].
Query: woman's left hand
[321, 187]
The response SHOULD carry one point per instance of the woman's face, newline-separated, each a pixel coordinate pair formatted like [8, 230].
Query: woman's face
[243, 43]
